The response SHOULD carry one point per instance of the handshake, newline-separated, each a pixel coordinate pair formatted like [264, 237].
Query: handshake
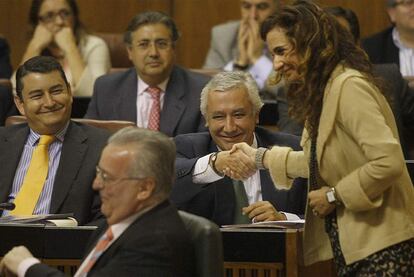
[240, 162]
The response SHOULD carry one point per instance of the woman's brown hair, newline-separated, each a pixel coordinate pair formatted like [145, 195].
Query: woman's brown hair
[321, 43]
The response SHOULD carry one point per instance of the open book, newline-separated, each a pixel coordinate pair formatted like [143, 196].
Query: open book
[283, 224]
[60, 220]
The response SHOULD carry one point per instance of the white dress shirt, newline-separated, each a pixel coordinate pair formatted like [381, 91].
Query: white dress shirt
[406, 55]
[144, 101]
[203, 174]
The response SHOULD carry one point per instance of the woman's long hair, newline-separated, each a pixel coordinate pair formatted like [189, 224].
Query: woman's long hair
[321, 44]
[78, 28]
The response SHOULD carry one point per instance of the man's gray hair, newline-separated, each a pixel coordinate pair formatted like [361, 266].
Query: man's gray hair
[154, 156]
[225, 81]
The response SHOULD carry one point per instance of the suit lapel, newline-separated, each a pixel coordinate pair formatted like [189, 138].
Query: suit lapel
[73, 154]
[127, 102]
[174, 106]
[11, 148]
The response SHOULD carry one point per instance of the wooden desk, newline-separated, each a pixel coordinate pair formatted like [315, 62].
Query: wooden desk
[268, 252]
[247, 252]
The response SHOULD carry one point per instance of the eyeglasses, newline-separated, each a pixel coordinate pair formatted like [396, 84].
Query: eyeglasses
[403, 3]
[51, 16]
[159, 44]
[108, 180]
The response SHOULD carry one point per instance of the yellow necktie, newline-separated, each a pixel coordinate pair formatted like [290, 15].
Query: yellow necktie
[35, 178]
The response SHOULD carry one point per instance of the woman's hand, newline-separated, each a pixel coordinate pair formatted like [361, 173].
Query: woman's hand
[41, 39]
[319, 203]
[244, 147]
[65, 39]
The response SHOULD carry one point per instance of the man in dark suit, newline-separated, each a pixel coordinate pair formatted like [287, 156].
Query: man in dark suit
[395, 44]
[230, 103]
[44, 97]
[151, 39]
[144, 235]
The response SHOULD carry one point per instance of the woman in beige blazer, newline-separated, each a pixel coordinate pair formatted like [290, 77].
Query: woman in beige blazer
[361, 200]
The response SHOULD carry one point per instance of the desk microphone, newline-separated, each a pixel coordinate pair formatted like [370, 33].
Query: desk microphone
[7, 206]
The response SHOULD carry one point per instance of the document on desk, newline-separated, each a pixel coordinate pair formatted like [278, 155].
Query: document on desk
[60, 220]
[279, 224]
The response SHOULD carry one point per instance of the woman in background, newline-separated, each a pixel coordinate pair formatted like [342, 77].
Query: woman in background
[361, 199]
[58, 32]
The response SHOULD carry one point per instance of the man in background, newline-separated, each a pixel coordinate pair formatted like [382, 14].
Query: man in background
[237, 45]
[396, 43]
[156, 94]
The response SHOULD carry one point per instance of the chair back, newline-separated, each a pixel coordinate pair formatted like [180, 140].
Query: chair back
[208, 245]
[117, 49]
[110, 125]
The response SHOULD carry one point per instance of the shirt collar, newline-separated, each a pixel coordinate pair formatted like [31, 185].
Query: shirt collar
[34, 136]
[397, 40]
[120, 227]
[142, 86]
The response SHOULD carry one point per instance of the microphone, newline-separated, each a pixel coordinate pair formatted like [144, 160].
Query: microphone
[7, 206]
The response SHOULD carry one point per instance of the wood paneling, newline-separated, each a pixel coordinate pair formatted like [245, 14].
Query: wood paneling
[193, 17]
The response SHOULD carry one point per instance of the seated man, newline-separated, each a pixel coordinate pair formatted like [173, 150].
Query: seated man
[237, 45]
[144, 235]
[230, 103]
[396, 43]
[48, 164]
[156, 94]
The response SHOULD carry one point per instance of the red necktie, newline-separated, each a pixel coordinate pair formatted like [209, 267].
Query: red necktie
[154, 116]
[98, 250]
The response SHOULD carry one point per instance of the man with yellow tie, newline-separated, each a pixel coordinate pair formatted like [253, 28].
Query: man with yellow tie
[143, 234]
[48, 164]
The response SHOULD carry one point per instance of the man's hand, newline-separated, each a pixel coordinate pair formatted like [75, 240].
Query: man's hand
[237, 165]
[319, 203]
[246, 149]
[263, 211]
[13, 258]
[255, 44]
[242, 42]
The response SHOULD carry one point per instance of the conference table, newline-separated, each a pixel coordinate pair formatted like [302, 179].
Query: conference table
[247, 252]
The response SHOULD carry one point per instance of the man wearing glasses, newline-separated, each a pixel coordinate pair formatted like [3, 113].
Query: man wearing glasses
[155, 93]
[395, 44]
[143, 234]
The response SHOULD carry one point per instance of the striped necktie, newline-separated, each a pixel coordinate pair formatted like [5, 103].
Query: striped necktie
[35, 178]
[97, 251]
[154, 116]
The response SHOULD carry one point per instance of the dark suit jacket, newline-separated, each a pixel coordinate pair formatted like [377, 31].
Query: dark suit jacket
[401, 95]
[215, 201]
[115, 98]
[72, 190]
[156, 244]
[381, 48]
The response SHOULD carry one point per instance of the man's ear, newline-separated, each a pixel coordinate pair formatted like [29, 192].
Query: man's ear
[19, 104]
[128, 48]
[146, 188]
[391, 14]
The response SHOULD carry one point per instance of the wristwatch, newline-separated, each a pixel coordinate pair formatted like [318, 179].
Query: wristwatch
[212, 162]
[331, 197]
